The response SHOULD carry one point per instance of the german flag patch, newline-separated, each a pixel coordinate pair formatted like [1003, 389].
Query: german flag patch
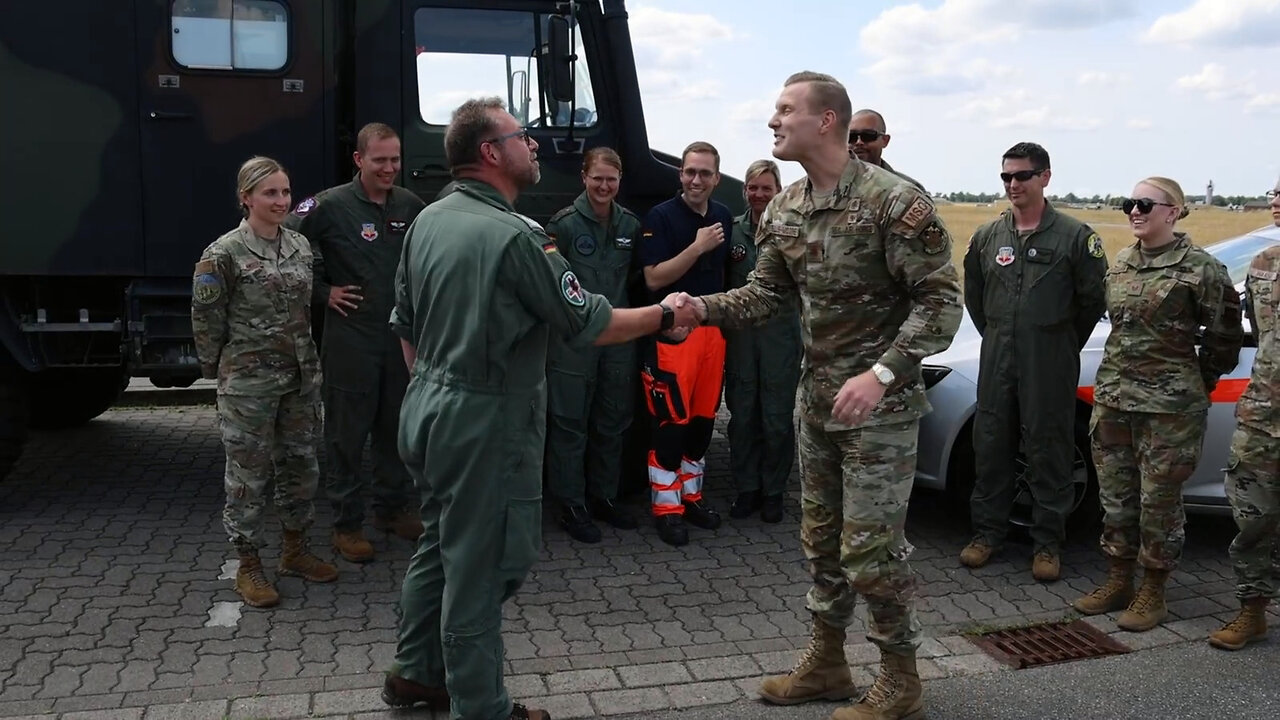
[549, 247]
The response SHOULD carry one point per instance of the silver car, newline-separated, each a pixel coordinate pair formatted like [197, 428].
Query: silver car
[945, 460]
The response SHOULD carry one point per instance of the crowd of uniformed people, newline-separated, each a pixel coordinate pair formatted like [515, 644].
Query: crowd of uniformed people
[477, 351]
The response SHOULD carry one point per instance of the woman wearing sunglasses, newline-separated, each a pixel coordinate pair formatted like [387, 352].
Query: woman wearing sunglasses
[1152, 396]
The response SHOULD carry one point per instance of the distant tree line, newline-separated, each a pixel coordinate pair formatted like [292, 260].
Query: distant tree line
[1108, 200]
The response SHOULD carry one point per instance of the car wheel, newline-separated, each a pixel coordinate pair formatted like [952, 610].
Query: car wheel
[1083, 501]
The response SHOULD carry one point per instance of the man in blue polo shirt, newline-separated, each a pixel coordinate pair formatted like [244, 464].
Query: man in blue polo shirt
[682, 250]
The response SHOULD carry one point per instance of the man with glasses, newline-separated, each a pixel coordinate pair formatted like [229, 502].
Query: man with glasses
[478, 290]
[682, 250]
[868, 139]
[1034, 287]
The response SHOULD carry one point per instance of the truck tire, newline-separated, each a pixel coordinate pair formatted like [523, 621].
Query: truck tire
[13, 420]
[67, 398]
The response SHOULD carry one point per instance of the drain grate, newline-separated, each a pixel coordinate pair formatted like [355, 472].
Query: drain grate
[1047, 644]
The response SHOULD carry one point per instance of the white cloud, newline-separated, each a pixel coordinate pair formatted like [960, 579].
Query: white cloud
[1019, 109]
[1216, 83]
[670, 85]
[677, 38]
[1263, 101]
[1139, 124]
[1101, 78]
[1220, 23]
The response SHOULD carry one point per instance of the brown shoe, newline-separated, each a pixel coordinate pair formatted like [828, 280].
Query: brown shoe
[352, 546]
[895, 695]
[1046, 567]
[1114, 594]
[401, 693]
[252, 583]
[976, 554]
[520, 712]
[1147, 609]
[401, 523]
[822, 673]
[1248, 626]
[297, 560]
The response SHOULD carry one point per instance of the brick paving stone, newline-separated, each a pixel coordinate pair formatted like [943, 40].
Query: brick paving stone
[575, 681]
[971, 664]
[618, 702]
[597, 660]
[203, 710]
[703, 693]
[346, 701]
[118, 714]
[276, 707]
[723, 668]
[657, 674]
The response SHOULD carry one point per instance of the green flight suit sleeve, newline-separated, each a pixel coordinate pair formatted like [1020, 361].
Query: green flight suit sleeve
[309, 218]
[548, 289]
[402, 312]
[210, 286]
[918, 255]
[769, 290]
[975, 285]
[1090, 268]
[1219, 315]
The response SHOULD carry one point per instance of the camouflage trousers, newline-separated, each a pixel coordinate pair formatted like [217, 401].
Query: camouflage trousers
[855, 485]
[1253, 488]
[1143, 460]
[269, 439]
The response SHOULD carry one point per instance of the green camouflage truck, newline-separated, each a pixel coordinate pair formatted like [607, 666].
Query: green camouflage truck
[125, 122]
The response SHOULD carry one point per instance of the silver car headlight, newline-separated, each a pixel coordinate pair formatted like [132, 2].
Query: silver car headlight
[933, 374]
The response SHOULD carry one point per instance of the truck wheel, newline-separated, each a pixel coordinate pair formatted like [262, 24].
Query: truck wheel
[70, 397]
[13, 419]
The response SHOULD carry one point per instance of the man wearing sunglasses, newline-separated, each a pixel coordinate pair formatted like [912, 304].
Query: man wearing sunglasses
[1034, 285]
[868, 139]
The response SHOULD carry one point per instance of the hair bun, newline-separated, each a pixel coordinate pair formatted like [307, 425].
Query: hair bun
[1185, 212]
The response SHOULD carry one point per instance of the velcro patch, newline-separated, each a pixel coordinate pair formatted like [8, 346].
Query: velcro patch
[1095, 246]
[305, 207]
[572, 289]
[205, 266]
[549, 247]
[934, 238]
[1268, 275]
[916, 213]
[206, 289]
[784, 230]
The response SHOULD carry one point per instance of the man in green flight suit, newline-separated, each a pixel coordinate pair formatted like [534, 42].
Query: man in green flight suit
[1034, 284]
[478, 292]
[356, 231]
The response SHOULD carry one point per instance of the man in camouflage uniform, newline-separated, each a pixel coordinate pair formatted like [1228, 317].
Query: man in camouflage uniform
[356, 230]
[871, 264]
[478, 291]
[1034, 286]
[1253, 470]
[868, 139]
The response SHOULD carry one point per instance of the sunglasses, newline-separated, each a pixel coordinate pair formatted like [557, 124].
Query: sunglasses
[521, 133]
[866, 136]
[1020, 176]
[1144, 205]
[1271, 195]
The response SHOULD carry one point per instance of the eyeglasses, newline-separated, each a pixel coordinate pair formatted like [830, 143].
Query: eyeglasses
[1020, 176]
[1144, 205]
[1272, 194]
[704, 174]
[866, 136]
[521, 133]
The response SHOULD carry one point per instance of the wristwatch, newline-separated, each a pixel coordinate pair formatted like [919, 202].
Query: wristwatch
[668, 317]
[883, 374]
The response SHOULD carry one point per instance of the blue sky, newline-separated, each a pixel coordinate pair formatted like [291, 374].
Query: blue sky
[1115, 90]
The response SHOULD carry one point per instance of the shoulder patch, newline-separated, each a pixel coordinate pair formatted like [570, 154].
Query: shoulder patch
[1259, 273]
[305, 207]
[934, 238]
[916, 213]
[784, 230]
[572, 289]
[533, 224]
[205, 266]
[1095, 246]
[549, 247]
[206, 288]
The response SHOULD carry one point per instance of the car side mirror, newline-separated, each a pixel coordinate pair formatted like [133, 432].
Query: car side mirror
[560, 59]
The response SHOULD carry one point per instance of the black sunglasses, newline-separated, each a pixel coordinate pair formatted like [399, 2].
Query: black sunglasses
[1271, 195]
[867, 136]
[1144, 205]
[1020, 176]
[522, 133]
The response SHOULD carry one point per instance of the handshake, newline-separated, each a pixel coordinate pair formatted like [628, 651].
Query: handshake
[690, 312]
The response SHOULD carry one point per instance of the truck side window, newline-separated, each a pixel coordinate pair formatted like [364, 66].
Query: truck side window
[230, 34]
[474, 53]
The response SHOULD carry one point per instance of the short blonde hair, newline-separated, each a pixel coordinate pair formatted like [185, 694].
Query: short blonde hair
[1172, 192]
[252, 173]
[758, 168]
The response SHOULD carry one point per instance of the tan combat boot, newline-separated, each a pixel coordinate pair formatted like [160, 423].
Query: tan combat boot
[1147, 609]
[1248, 626]
[297, 560]
[1046, 567]
[822, 673]
[352, 546]
[401, 523]
[1115, 593]
[895, 695]
[976, 554]
[252, 583]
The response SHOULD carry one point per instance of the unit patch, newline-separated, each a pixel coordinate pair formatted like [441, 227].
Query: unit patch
[305, 207]
[738, 252]
[1004, 256]
[585, 245]
[934, 238]
[369, 232]
[206, 289]
[572, 289]
[1095, 246]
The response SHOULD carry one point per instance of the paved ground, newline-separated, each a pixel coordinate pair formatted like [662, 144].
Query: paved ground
[115, 600]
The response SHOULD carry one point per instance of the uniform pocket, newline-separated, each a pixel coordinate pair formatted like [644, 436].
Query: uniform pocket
[522, 535]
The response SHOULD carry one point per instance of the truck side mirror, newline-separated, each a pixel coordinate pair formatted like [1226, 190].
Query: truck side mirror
[560, 55]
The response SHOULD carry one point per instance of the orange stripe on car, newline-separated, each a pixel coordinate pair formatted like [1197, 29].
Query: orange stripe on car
[1228, 390]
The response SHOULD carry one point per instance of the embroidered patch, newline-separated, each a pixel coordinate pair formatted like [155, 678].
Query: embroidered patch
[646, 234]
[369, 232]
[572, 289]
[738, 252]
[397, 226]
[916, 213]
[622, 243]
[585, 245]
[305, 207]
[1095, 246]
[1004, 256]
[783, 230]
[934, 238]
[206, 289]
[815, 252]
[1269, 275]
[549, 247]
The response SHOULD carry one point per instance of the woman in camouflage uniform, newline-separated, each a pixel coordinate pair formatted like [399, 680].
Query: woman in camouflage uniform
[251, 314]
[1152, 396]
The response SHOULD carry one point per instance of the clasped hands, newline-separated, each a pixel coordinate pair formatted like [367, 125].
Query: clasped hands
[690, 312]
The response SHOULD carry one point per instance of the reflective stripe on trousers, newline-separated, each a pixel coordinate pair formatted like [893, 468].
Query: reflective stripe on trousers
[664, 488]
[691, 478]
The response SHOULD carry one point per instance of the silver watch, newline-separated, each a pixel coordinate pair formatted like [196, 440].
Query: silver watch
[883, 374]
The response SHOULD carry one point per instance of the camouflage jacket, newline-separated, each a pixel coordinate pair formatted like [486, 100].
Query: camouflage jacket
[1257, 406]
[1158, 306]
[872, 267]
[251, 314]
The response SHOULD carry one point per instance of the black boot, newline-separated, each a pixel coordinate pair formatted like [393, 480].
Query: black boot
[699, 514]
[771, 510]
[672, 530]
[577, 522]
[610, 512]
[745, 506]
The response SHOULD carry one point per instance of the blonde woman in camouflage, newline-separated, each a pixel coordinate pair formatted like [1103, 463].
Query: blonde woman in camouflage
[251, 314]
[1152, 396]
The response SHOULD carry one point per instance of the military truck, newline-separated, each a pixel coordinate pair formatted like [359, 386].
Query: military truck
[127, 120]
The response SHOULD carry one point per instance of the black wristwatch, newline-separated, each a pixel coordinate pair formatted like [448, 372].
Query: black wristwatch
[668, 317]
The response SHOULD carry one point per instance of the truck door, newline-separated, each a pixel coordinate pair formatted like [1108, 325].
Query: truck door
[222, 81]
[455, 51]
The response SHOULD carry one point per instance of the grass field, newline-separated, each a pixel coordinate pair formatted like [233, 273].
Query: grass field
[1205, 225]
